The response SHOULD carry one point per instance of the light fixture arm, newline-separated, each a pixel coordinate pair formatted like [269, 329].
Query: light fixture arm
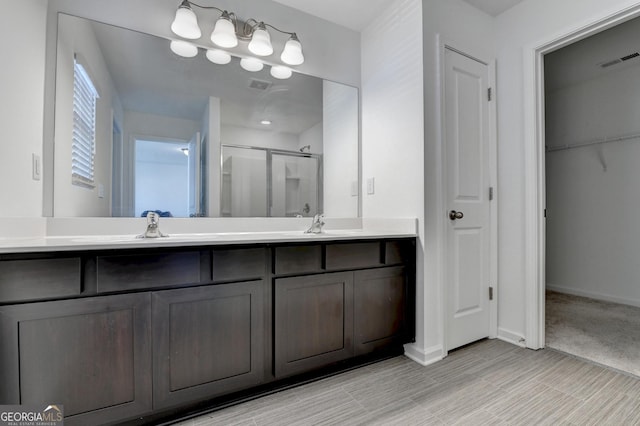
[281, 31]
[249, 25]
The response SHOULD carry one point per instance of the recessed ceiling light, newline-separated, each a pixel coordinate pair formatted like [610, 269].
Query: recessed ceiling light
[265, 122]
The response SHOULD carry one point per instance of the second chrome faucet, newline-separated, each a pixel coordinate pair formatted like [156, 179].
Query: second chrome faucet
[316, 225]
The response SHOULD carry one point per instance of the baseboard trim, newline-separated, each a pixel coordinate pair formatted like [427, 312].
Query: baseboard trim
[594, 295]
[423, 356]
[512, 337]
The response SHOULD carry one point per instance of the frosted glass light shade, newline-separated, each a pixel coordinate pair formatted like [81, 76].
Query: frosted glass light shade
[292, 53]
[185, 23]
[260, 43]
[218, 56]
[280, 72]
[183, 48]
[251, 64]
[224, 33]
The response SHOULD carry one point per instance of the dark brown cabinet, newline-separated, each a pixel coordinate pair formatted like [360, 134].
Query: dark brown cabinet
[207, 341]
[92, 355]
[380, 311]
[313, 321]
[139, 334]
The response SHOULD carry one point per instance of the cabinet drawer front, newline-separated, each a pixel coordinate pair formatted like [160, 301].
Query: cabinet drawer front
[39, 279]
[239, 264]
[353, 255]
[130, 272]
[298, 259]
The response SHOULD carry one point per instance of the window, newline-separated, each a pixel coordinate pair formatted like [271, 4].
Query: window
[85, 98]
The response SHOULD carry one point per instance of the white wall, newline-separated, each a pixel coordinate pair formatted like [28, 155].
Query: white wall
[393, 131]
[340, 126]
[592, 192]
[527, 25]
[21, 111]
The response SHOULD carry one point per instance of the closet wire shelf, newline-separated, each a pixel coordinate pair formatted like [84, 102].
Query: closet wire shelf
[598, 142]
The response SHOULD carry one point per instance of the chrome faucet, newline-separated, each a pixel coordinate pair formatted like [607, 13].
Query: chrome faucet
[316, 225]
[153, 227]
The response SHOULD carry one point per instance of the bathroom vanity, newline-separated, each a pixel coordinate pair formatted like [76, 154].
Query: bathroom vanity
[134, 331]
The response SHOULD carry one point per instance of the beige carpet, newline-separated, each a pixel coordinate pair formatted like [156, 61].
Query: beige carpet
[603, 332]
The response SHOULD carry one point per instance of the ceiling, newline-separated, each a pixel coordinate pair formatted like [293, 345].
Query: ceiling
[493, 7]
[357, 14]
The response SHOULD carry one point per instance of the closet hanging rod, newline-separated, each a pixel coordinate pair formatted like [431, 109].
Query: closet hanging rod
[600, 142]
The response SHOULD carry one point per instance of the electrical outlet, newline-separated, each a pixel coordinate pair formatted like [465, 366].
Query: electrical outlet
[371, 186]
[100, 190]
[36, 167]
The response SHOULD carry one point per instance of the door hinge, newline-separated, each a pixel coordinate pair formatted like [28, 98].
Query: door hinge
[489, 93]
[491, 193]
[490, 293]
[545, 213]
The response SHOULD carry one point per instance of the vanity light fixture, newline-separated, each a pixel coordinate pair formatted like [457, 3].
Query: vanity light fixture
[227, 31]
[251, 64]
[280, 72]
[183, 48]
[218, 56]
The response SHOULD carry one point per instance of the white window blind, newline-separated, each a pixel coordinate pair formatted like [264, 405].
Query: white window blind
[85, 98]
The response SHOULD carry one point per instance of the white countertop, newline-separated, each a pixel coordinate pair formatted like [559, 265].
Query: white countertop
[376, 230]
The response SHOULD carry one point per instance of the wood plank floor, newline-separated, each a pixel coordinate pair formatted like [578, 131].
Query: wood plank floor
[487, 383]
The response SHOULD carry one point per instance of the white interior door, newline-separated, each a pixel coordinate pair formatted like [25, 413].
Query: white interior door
[467, 199]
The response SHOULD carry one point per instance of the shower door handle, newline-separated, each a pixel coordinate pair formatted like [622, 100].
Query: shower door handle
[453, 215]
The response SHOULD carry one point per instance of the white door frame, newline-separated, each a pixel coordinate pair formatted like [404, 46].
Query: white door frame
[488, 60]
[534, 134]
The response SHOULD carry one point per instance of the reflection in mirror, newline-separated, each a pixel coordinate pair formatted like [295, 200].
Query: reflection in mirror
[187, 137]
[292, 186]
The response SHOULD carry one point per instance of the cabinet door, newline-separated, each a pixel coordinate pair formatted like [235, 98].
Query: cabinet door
[313, 321]
[91, 355]
[207, 341]
[380, 308]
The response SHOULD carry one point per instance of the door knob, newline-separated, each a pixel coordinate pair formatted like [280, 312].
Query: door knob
[453, 215]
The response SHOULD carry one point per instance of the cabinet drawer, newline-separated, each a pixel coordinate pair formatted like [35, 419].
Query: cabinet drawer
[353, 255]
[130, 272]
[239, 264]
[298, 259]
[39, 279]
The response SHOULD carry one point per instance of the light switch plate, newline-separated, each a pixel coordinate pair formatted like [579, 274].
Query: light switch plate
[371, 188]
[354, 188]
[100, 190]
[36, 167]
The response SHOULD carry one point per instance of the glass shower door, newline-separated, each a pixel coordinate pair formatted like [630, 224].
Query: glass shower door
[295, 189]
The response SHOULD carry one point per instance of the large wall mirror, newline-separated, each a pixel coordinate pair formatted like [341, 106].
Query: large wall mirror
[191, 138]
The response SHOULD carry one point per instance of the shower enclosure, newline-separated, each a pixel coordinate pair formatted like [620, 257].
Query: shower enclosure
[263, 182]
